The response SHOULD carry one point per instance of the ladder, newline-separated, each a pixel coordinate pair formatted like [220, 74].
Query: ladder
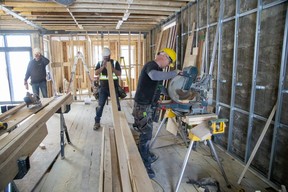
[127, 79]
[73, 71]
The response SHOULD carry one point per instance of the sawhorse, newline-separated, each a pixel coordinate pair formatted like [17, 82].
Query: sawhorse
[194, 138]
[63, 130]
[170, 114]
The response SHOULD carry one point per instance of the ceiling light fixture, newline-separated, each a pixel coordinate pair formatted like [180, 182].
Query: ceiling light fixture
[119, 24]
[126, 15]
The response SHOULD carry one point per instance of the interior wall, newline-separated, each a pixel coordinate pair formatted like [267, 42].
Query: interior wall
[63, 58]
[246, 76]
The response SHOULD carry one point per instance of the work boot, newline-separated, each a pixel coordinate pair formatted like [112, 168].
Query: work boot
[150, 172]
[153, 157]
[96, 126]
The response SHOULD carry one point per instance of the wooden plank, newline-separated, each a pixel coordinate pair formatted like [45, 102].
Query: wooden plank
[172, 125]
[9, 167]
[23, 113]
[200, 55]
[42, 116]
[258, 143]
[201, 131]
[101, 174]
[188, 51]
[196, 119]
[15, 138]
[107, 163]
[3, 116]
[126, 185]
[116, 181]
[50, 88]
[159, 43]
[139, 177]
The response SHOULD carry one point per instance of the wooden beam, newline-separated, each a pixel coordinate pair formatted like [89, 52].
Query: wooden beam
[138, 174]
[18, 142]
[9, 167]
[258, 143]
[23, 113]
[101, 174]
[3, 116]
[126, 185]
[107, 163]
[196, 119]
[116, 181]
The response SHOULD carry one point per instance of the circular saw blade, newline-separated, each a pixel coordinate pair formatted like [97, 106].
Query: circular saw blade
[175, 91]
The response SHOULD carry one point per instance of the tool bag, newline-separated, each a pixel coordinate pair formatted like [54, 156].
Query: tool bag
[121, 92]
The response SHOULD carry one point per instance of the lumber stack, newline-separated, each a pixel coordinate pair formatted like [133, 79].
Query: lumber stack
[121, 168]
[111, 170]
[23, 140]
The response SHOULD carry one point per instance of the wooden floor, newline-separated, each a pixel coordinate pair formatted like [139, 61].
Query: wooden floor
[79, 170]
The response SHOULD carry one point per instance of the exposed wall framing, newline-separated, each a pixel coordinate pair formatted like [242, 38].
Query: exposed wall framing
[249, 75]
[64, 50]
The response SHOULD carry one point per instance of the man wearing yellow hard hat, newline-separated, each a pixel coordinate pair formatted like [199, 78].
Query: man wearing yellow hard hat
[146, 96]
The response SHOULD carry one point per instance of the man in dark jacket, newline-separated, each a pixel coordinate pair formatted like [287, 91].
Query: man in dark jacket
[146, 95]
[36, 70]
[104, 85]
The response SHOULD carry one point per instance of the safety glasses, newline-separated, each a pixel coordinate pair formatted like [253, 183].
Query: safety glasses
[167, 56]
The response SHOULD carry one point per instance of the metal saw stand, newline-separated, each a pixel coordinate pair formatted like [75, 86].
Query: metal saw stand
[63, 129]
[170, 114]
[193, 139]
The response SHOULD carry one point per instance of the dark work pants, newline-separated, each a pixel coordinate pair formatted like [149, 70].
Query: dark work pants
[143, 120]
[103, 96]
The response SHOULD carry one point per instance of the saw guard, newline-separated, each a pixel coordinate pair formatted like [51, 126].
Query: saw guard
[175, 91]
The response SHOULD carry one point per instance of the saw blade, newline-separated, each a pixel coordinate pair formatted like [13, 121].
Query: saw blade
[176, 92]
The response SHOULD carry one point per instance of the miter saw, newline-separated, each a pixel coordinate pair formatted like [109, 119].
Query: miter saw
[32, 100]
[188, 93]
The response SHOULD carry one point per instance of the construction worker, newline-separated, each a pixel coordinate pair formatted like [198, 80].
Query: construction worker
[146, 97]
[104, 93]
[36, 70]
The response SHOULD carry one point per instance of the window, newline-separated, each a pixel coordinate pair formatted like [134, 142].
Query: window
[125, 54]
[1, 41]
[18, 41]
[5, 95]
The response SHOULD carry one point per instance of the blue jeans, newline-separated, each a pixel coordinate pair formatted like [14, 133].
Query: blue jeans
[103, 96]
[43, 86]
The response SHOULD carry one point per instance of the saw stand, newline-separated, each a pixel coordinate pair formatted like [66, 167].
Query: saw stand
[171, 114]
[194, 138]
[63, 130]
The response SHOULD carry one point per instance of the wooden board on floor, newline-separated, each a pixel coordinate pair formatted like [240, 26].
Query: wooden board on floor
[125, 180]
[138, 174]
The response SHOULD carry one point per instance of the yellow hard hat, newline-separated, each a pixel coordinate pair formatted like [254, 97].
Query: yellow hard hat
[171, 53]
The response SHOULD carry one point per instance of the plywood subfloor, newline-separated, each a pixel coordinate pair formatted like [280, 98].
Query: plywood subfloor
[79, 171]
